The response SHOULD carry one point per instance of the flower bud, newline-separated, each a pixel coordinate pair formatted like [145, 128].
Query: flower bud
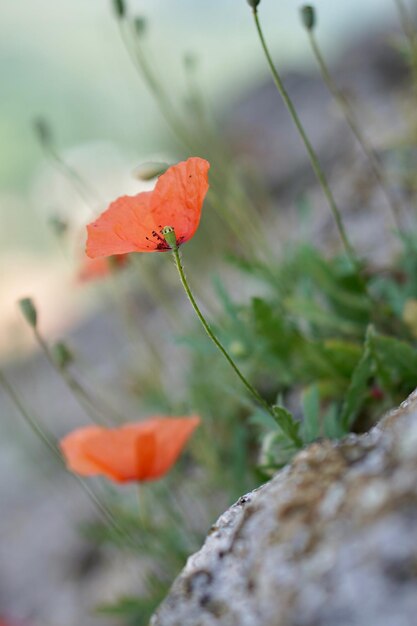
[149, 170]
[58, 226]
[190, 62]
[119, 8]
[61, 355]
[29, 311]
[253, 3]
[169, 235]
[238, 349]
[43, 131]
[308, 16]
[140, 26]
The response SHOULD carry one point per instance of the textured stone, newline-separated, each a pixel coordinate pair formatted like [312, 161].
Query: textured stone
[330, 540]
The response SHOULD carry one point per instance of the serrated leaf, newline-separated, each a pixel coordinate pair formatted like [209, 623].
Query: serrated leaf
[358, 387]
[397, 359]
[316, 314]
[288, 425]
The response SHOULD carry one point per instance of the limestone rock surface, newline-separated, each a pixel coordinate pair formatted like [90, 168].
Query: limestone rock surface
[331, 540]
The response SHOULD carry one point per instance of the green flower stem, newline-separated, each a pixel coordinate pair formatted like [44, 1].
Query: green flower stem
[80, 394]
[310, 150]
[409, 31]
[140, 62]
[355, 128]
[38, 430]
[249, 387]
[52, 446]
[200, 142]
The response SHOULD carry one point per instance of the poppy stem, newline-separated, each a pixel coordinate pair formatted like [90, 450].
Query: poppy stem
[140, 62]
[321, 177]
[89, 195]
[38, 430]
[210, 333]
[49, 441]
[80, 394]
[410, 33]
[352, 122]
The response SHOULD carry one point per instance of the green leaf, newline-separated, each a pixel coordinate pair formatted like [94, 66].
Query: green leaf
[396, 360]
[316, 314]
[288, 425]
[332, 426]
[310, 401]
[358, 387]
[136, 611]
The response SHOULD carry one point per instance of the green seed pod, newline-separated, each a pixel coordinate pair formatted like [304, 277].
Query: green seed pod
[253, 3]
[308, 16]
[140, 26]
[62, 355]
[190, 62]
[169, 235]
[119, 8]
[238, 349]
[58, 226]
[29, 312]
[149, 170]
[43, 131]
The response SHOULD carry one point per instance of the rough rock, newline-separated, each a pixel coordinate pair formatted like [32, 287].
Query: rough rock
[330, 540]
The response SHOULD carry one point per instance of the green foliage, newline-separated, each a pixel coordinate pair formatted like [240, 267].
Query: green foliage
[328, 346]
[135, 610]
[358, 386]
[288, 425]
[332, 345]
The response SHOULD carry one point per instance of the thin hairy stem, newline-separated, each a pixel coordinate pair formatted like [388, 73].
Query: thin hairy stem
[310, 150]
[80, 394]
[210, 333]
[39, 431]
[84, 190]
[140, 62]
[409, 31]
[355, 128]
[50, 442]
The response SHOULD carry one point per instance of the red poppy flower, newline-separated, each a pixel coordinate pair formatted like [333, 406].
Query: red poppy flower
[134, 223]
[137, 451]
[100, 268]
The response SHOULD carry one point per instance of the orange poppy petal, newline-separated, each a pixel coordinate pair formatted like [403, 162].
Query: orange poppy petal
[100, 267]
[134, 223]
[178, 197]
[171, 436]
[72, 447]
[124, 227]
[115, 452]
[141, 451]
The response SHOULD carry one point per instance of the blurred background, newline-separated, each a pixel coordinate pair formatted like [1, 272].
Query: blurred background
[65, 62]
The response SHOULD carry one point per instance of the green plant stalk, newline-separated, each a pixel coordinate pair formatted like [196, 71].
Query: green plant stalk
[355, 128]
[310, 150]
[234, 217]
[89, 195]
[210, 333]
[80, 394]
[50, 443]
[407, 26]
[40, 432]
[140, 62]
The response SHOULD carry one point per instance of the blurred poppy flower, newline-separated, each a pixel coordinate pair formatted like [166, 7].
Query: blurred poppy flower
[92, 269]
[133, 452]
[134, 223]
